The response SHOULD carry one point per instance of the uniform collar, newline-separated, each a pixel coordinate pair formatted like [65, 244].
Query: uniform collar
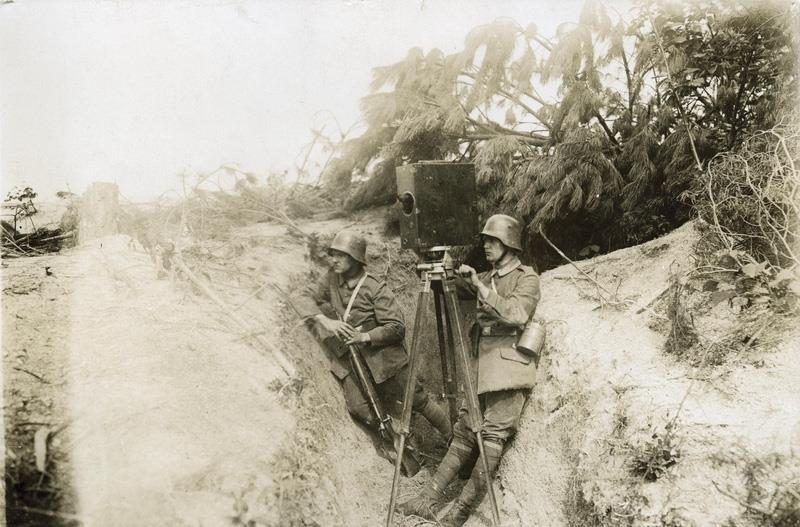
[351, 283]
[509, 266]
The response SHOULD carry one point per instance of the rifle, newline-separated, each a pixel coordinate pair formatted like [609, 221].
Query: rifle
[409, 464]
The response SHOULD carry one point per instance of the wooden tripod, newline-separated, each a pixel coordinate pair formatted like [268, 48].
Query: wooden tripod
[438, 278]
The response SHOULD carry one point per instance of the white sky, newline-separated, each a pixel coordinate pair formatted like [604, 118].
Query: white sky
[138, 92]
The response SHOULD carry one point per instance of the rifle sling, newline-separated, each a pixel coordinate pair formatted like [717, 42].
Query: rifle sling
[352, 297]
[355, 355]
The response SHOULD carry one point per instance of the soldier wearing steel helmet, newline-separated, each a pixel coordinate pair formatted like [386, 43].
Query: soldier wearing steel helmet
[375, 323]
[507, 296]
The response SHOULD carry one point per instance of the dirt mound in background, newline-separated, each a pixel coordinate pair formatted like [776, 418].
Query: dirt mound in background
[618, 433]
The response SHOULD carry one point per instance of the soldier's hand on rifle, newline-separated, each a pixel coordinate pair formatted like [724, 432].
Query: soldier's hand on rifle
[343, 330]
[359, 338]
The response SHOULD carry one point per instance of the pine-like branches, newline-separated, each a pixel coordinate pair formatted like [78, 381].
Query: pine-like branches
[605, 152]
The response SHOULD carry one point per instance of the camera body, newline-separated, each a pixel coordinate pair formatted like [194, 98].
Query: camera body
[437, 201]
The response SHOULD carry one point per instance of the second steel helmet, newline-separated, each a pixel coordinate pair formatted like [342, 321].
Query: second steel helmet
[352, 244]
[506, 229]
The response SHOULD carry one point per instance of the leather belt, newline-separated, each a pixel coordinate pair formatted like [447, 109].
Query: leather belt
[499, 331]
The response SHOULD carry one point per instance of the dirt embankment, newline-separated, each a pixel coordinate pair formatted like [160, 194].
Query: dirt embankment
[177, 417]
[170, 416]
[36, 323]
[620, 433]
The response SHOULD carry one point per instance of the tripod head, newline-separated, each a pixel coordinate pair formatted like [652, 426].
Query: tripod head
[436, 263]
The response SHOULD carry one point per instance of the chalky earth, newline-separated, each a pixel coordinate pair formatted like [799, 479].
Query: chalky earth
[131, 398]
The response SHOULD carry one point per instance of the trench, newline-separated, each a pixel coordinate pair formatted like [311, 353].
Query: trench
[38, 468]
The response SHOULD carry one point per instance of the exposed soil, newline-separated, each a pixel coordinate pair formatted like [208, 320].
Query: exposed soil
[36, 324]
[170, 416]
[163, 412]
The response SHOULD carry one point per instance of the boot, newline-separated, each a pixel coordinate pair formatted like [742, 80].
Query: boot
[466, 469]
[473, 492]
[427, 503]
[457, 515]
[424, 504]
[438, 418]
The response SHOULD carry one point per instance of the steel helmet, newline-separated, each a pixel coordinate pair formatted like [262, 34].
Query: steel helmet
[504, 228]
[352, 244]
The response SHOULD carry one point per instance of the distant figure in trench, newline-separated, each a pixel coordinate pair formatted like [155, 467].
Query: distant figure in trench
[375, 323]
[507, 296]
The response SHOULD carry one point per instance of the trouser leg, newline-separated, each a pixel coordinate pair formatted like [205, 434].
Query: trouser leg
[421, 401]
[501, 414]
[430, 499]
[357, 403]
[475, 489]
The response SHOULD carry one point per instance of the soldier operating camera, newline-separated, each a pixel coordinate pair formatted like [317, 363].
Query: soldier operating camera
[506, 300]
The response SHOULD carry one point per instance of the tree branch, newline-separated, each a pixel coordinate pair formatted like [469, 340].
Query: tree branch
[606, 128]
[677, 99]
[501, 130]
[532, 96]
[629, 79]
[487, 136]
[546, 44]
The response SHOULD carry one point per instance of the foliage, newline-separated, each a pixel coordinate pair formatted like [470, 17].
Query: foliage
[771, 493]
[639, 106]
[22, 204]
[755, 284]
[727, 63]
[652, 459]
[221, 200]
[751, 197]
[682, 334]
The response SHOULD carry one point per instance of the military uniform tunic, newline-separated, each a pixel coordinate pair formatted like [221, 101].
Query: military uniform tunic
[375, 312]
[501, 317]
[504, 375]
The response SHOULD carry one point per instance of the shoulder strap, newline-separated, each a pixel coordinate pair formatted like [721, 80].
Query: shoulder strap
[336, 295]
[353, 297]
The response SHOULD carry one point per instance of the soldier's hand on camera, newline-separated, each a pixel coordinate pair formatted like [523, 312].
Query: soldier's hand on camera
[343, 330]
[469, 274]
[359, 338]
[448, 261]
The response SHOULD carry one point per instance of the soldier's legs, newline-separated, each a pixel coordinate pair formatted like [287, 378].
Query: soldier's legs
[394, 389]
[427, 502]
[356, 402]
[501, 414]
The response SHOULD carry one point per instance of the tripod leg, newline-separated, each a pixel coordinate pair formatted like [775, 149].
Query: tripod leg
[452, 386]
[471, 394]
[408, 396]
[449, 385]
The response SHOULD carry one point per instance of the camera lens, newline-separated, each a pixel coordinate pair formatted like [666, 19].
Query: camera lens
[406, 200]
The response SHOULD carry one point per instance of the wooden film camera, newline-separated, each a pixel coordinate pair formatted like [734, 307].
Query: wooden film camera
[437, 201]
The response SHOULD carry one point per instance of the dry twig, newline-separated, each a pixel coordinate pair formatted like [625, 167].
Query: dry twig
[278, 355]
[612, 297]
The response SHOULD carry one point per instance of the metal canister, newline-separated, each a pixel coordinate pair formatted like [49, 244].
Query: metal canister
[532, 339]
